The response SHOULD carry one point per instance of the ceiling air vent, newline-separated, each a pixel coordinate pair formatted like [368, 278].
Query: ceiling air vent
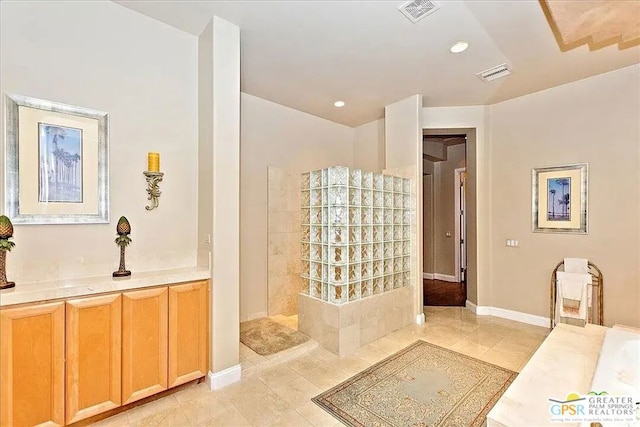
[501, 70]
[417, 9]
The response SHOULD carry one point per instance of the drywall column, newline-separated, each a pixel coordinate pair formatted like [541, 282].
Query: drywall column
[219, 192]
[403, 151]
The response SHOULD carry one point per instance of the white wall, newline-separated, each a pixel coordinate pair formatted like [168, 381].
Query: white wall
[595, 120]
[274, 135]
[368, 147]
[144, 74]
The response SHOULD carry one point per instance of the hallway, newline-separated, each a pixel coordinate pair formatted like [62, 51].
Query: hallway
[441, 293]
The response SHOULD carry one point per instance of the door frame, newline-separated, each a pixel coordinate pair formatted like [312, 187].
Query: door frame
[459, 226]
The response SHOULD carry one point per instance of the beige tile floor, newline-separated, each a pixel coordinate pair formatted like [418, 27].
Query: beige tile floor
[280, 394]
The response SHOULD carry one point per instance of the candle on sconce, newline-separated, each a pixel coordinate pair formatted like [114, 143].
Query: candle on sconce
[153, 160]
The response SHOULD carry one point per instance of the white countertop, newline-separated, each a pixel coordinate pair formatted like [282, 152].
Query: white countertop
[65, 288]
[564, 363]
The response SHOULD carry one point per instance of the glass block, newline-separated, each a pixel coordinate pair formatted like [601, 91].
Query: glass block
[388, 216]
[338, 196]
[325, 254]
[316, 197]
[388, 233]
[325, 235]
[397, 232]
[406, 278]
[406, 185]
[378, 285]
[305, 251]
[305, 231]
[406, 232]
[397, 184]
[338, 235]
[378, 252]
[388, 282]
[367, 180]
[378, 181]
[406, 248]
[338, 294]
[397, 200]
[354, 253]
[354, 272]
[388, 199]
[366, 288]
[397, 249]
[397, 265]
[397, 216]
[325, 196]
[354, 216]
[377, 269]
[388, 266]
[316, 179]
[397, 280]
[367, 234]
[378, 233]
[315, 216]
[378, 199]
[355, 178]
[315, 289]
[388, 250]
[305, 215]
[388, 183]
[338, 274]
[406, 263]
[366, 252]
[305, 198]
[315, 270]
[378, 216]
[354, 291]
[304, 285]
[325, 177]
[406, 216]
[338, 175]
[366, 216]
[305, 268]
[354, 196]
[365, 270]
[316, 234]
[367, 197]
[354, 234]
[338, 254]
[406, 201]
[315, 253]
[305, 182]
[338, 215]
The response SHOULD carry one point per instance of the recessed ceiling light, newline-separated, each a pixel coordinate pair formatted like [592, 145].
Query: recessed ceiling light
[339, 104]
[459, 47]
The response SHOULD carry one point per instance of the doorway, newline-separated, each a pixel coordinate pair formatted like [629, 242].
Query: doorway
[444, 219]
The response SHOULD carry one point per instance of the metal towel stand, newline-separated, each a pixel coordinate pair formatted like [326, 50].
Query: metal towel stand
[595, 314]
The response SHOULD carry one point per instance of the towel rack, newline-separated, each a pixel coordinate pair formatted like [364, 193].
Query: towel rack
[595, 311]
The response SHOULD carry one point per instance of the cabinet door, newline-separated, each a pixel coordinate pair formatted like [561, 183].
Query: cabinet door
[93, 348]
[188, 332]
[32, 365]
[144, 343]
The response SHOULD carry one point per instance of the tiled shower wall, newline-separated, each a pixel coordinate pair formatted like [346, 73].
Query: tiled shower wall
[283, 237]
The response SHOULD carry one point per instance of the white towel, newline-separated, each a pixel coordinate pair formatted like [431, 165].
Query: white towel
[580, 277]
[576, 265]
[575, 291]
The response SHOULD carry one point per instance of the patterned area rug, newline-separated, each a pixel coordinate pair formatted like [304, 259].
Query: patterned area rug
[264, 336]
[421, 385]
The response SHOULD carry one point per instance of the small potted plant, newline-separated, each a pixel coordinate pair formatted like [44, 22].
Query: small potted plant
[123, 229]
[6, 233]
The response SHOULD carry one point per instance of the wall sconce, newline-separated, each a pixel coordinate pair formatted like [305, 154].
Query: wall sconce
[154, 177]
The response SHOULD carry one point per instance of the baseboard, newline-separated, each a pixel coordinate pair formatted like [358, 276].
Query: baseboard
[444, 277]
[217, 380]
[420, 319]
[259, 315]
[518, 316]
[428, 276]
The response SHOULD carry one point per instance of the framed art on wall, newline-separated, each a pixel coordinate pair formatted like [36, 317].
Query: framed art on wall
[559, 199]
[57, 163]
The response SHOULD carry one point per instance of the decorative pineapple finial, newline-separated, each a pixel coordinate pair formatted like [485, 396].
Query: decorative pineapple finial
[123, 229]
[6, 232]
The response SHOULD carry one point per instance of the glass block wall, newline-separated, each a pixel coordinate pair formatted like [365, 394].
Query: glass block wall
[355, 233]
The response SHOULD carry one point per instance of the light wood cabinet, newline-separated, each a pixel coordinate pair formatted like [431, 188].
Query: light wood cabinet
[32, 365]
[93, 350]
[188, 336]
[144, 343]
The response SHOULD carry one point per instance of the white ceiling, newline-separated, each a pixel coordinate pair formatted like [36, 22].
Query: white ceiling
[308, 54]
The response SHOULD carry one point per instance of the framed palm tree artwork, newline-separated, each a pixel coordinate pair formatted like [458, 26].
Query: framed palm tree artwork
[56, 162]
[559, 199]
